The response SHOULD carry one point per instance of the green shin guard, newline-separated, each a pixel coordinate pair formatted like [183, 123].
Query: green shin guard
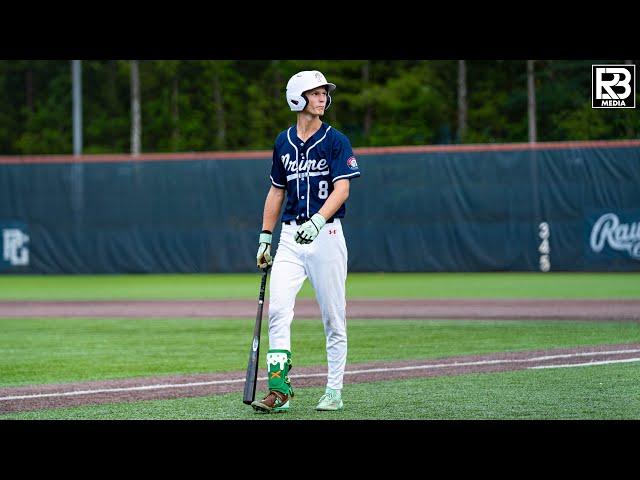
[279, 365]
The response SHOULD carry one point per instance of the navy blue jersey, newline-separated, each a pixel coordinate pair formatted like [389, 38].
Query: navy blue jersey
[307, 170]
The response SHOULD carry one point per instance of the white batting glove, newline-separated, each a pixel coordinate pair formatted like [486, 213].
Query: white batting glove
[309, 230]
[263, 256]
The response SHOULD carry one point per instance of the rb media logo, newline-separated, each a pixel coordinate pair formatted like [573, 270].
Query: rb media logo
[613, 86]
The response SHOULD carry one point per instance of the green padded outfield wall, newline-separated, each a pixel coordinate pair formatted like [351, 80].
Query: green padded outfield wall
[555, 207]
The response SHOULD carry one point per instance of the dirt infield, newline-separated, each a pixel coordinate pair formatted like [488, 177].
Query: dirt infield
[36, 397]
[357, 308]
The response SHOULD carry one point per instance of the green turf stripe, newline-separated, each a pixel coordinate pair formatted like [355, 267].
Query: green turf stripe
[37, 351]
[581, 393]
[359, 285]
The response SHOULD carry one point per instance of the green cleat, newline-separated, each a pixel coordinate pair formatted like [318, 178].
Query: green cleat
[330, 401]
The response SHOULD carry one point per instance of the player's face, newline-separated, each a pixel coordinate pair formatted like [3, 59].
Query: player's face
[316, 101]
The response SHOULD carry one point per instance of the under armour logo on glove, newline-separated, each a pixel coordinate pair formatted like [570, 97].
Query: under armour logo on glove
[309, 230]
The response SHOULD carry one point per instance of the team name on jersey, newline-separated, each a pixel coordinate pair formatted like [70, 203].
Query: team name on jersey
[303, 165]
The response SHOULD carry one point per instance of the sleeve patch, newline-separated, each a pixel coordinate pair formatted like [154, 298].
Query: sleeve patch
[352, 163]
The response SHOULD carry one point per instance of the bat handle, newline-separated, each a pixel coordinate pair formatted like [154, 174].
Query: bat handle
[263, 284]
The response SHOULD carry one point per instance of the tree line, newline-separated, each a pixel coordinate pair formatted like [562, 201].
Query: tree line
[214, 105]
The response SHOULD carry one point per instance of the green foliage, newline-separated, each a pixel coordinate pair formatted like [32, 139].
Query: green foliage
[208, 105]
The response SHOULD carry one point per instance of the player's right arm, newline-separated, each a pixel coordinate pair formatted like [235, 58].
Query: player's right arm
[272, 206]
[275, 197]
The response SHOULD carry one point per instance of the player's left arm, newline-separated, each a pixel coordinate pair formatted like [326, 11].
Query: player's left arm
[336, 199]
[343, 169]
[310, 229]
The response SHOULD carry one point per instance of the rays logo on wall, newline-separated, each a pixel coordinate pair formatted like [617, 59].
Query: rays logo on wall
[609, 231]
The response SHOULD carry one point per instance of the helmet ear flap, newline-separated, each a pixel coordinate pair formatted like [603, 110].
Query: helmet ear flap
[297, 103]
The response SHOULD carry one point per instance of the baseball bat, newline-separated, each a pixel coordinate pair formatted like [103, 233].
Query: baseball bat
[252, 367]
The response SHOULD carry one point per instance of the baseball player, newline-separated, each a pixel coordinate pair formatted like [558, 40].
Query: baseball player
[313, 164]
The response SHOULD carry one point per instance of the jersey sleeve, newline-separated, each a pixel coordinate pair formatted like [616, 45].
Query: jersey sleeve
[278, 174]
[344, 164]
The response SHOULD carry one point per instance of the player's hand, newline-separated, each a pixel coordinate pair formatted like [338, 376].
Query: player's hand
[263, 256]
[309, 230]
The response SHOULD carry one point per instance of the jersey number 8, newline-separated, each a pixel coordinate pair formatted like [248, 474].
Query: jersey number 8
[323, 189]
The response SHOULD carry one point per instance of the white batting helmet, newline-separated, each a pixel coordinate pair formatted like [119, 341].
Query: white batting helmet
[302, 82]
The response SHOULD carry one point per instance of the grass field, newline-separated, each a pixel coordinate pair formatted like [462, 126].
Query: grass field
[359, 285]
[58, 350]
[604, 392]
[64, 350]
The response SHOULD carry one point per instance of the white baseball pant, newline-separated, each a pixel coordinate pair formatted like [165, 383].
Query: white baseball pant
[324, 262]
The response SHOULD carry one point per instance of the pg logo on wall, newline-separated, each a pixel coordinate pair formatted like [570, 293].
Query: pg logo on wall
[613, 86]
[14, 245]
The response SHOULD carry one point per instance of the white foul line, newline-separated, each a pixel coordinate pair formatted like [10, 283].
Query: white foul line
[349, 372]
[604, 362]
[121, 389]
[492, 362]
